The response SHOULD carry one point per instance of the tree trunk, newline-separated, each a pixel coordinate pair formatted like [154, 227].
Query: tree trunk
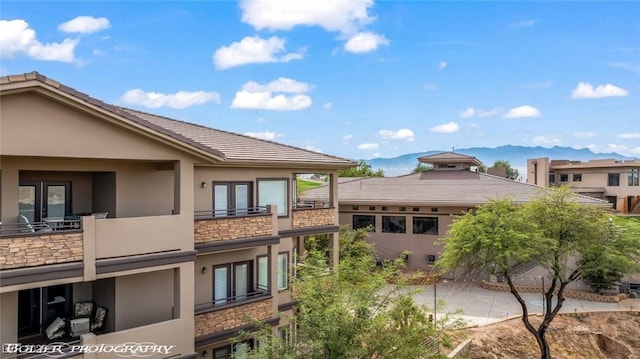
[545, 353]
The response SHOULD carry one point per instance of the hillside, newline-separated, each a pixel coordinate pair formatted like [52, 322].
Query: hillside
[606, 335]
[516, 155]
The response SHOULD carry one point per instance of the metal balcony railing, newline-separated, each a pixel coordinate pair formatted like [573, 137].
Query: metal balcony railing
[61, 225]
[232, 212]
[308, 204]
[233, 300]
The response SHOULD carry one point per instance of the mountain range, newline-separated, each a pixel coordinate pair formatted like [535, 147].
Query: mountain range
[516, 155]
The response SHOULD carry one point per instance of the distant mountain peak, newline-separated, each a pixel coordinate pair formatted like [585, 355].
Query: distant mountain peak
[515, 154]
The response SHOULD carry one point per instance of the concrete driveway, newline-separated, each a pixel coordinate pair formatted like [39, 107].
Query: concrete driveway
[481, 306]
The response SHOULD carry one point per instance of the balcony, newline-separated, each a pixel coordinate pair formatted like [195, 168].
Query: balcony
[313, 214]
[210, 318]
[212, 226]
[38, 244]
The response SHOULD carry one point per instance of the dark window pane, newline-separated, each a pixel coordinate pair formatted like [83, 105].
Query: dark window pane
[364, 221]
[614, 179]
[394, 224]
[425, 225]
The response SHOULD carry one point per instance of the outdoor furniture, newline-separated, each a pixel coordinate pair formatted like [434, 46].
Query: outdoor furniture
[56, 329]
[25, 226]
[98, 319]
[81, 323]
[100, 215]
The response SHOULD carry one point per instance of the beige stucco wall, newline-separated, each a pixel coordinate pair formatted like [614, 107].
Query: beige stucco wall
[8, 317]
[143, 299]
[391, 245]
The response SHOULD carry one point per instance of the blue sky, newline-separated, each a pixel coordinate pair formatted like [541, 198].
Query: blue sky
[357, 79]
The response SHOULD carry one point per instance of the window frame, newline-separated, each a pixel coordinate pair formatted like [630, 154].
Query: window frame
[285, 273]
[385, 224]
[577, 177]
[284, 211]
[610, 181]
[353, 221]
[633, 177]
[232, 209]
[435, 220]
[258, 272]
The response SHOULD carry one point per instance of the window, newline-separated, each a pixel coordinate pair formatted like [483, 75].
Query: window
[274, 191]
[552, 178]
[394, 224]
[434, 209]
[372, 208]
[237, 350]
[360, 221]
[231, 198]
[384, 208]
[283, 268]
[564, 177]
[355, 208]
[614, 179]
[425, 225]
[416, 209]
[577, 177]
[402, 209]
[263, 273]
[232, 282]
[634, 177]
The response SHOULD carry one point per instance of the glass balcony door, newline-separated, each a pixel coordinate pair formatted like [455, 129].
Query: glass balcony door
[231, 198]
[44, 199]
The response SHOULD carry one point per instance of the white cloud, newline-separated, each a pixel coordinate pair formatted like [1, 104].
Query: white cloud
[524, 23]
[442, 65]
[267, 135]
[449, 127]
[585, 134]
[524, 111]
[85, 25]
[376, 155]
[402, 134]
[368, 146]
[17, 38]
[327, 105]
[585, 90]
[313, 148]
[471, 112]
[630, 136]
[623, 150]
[552, 140]
[430, 87]
[180, 99]
[344, 16]
[257, 96]
[365, 42]
[347, 137]
[254, 50]
[261, 120]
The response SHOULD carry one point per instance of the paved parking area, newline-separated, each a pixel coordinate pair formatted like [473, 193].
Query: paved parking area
[481, 306]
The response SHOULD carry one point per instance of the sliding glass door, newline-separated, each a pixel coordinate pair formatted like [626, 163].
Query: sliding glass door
[38, 200]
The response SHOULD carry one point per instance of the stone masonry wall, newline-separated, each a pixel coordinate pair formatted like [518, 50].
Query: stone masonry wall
[35, 250]
[220, 229]
[233, 317]
[594, 297]
[313, 217]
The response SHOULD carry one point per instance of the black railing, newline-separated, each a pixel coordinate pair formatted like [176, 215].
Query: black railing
[305, 204]
[232, 212]
[233, 300]
[16, 229]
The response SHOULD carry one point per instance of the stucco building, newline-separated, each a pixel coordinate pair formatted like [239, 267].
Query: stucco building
[412, 212]
[178, 232]
[616, 181]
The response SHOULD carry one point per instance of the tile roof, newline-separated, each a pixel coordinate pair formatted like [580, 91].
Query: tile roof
[451, 157]
[454, 188]
[222, 145]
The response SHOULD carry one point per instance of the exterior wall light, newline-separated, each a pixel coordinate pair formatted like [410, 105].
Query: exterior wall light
[203, 184]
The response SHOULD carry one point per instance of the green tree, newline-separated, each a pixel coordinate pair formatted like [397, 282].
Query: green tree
[421, 167]
[552, 231]
[363, 169]
[352, 312]
[512, 173]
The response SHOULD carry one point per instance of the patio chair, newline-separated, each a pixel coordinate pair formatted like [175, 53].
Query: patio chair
[98, 319]
[26, 226]
[100, 215]
[81, 322]
[56, 329]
